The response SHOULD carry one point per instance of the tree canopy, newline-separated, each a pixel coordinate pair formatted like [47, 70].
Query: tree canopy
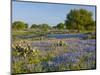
[60, 26]
[34, 26]
[79, 19]
[41, 26]
[19, 25]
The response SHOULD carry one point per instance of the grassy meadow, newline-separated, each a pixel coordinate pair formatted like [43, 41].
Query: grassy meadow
[67, 46]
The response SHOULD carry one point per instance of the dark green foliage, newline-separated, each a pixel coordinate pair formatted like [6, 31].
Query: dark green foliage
[19, 25]
[26, 25]
[34, 26]
[60, 26]
[79, 19]
[91, 26]
[45, 27]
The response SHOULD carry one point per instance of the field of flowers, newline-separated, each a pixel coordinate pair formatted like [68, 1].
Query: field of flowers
[51, 55]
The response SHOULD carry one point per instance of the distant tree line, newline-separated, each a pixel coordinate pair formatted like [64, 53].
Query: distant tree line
[76, 19]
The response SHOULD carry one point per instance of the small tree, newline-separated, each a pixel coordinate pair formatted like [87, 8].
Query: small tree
[60, 26]
[34, 26]
[19, 25]
[26, 25]
[45, 27]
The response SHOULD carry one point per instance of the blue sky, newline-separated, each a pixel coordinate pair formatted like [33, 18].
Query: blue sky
[38, 13]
